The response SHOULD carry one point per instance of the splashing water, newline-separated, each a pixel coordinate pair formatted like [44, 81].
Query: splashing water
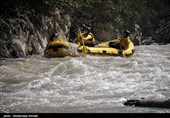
[85, 84]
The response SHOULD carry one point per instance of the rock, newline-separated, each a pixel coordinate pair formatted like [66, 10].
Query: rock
[137, 35]
[29, 34]
[147, 41]
[149, 103]
[4, 53]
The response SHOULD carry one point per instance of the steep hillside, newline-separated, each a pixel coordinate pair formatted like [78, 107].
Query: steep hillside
[26, 25]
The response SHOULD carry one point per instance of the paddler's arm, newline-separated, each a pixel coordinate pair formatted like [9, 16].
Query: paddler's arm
[128, 48]
[87, 37]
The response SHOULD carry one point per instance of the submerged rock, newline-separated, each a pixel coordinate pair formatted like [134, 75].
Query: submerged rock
[149, 103]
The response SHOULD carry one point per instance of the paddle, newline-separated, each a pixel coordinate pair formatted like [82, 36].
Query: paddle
[74, 41]
[84, 48]
[49, 43]
[121, 49]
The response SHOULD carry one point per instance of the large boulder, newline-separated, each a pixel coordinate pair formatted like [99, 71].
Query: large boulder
[28, 34]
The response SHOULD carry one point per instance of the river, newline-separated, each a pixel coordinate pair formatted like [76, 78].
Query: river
[91, 84]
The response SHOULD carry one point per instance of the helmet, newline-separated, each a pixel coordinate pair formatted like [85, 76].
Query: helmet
[127, 32]
[55, 35]
[88, 29]
[82, 25]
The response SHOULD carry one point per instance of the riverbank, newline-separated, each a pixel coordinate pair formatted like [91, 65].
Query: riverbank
[25, 27]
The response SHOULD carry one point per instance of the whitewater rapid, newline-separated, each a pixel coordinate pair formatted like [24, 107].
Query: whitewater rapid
[91, 84]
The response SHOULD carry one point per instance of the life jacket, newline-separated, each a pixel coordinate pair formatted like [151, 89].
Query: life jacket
[57, 39]
[89, 39]
[125, 42]
[52, 40]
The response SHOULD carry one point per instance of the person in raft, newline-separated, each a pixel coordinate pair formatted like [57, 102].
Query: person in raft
[54, 37]
[80, 32]
[123, 43]
[87, 38]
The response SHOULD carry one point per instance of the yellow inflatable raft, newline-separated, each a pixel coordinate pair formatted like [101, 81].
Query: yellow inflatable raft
[64, 48]
[128, 51]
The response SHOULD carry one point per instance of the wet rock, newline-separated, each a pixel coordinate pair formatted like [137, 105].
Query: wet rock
[4, 53]
[137, 35]
[26, 36]
[109, 32]
[149, 103]
[162, 35]
[147, 41]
